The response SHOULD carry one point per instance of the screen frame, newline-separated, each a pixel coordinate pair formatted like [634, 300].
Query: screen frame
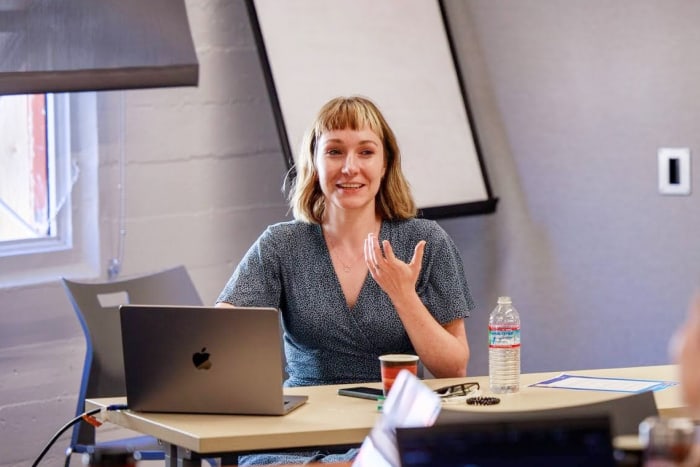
[482, 205]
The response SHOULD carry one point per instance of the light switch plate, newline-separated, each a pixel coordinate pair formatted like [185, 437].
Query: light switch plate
[674, 171]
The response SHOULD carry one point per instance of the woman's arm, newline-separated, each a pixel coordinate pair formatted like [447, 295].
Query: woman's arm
[444, 350]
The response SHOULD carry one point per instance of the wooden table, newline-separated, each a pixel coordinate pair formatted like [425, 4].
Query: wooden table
[328, 419]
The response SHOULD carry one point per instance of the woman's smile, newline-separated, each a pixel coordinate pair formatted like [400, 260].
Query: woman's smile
[350, 165]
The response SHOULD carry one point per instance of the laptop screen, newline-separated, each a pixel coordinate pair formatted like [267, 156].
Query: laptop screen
[197, 359]
[541, 443]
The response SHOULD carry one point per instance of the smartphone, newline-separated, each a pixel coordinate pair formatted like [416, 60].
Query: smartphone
[362, 392]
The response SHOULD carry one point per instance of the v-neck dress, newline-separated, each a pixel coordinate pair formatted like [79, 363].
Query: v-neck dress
[326, 342]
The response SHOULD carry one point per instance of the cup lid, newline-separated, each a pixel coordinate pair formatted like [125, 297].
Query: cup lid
[398, 357]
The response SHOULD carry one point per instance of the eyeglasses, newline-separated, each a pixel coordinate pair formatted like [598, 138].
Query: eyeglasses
[448, 393]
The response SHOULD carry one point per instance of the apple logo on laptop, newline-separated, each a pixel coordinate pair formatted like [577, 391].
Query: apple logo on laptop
[201, 359]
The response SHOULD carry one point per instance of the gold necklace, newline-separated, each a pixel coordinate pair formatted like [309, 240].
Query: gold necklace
[347, 268]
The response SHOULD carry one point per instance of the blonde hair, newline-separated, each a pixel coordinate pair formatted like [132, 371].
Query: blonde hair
[394, 200]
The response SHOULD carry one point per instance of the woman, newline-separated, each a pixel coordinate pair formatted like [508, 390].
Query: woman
[356, 274]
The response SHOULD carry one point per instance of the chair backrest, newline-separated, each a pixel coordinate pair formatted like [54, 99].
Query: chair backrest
[97, 306]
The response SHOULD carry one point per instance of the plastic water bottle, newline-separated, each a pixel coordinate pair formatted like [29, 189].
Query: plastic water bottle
[504, 348]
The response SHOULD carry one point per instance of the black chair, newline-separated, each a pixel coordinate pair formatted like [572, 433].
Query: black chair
[97, 307]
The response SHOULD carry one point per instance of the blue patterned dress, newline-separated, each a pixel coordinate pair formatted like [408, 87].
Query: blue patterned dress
[326, 342]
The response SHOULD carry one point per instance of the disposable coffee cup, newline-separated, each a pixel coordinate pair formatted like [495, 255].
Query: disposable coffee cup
[392, 364]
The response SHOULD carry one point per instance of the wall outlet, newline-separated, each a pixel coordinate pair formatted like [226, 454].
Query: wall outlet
[674, 171]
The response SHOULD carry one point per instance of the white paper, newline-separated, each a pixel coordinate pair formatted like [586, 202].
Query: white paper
[592, 383]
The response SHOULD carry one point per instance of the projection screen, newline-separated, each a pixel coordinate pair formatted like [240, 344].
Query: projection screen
[397, 53]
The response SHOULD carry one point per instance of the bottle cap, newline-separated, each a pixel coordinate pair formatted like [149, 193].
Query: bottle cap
[504, 300]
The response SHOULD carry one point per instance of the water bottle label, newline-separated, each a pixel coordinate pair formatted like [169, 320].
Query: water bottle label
[504, 337]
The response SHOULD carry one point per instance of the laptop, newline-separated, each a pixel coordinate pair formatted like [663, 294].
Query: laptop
[195, 359]
[625, 413]
[415, 430]
[533, 442]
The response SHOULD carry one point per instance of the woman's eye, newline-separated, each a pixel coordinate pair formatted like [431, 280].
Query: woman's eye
[332, 152]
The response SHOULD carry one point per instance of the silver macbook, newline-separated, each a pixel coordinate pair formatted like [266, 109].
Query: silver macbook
[194, 359]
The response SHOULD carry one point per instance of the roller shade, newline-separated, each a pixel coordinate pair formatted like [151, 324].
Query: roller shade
[92, 45]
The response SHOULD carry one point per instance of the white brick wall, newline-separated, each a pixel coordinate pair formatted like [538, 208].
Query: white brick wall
[203, 175]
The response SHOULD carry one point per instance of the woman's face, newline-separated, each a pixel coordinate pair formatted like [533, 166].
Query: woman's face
[350, 165]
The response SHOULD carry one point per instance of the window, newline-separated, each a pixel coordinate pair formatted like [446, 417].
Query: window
[24, 181]
[48, 206]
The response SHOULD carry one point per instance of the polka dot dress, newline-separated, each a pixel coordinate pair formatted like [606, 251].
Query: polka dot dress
[326, 342]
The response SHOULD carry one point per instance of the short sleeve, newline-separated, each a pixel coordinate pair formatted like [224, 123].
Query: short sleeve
[256, 280]
[443, 286]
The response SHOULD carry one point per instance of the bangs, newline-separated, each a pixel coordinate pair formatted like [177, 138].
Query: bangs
[349, 114]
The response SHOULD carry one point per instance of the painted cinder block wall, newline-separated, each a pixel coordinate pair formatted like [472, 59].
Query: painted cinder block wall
[202, 179]
[571, 99]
